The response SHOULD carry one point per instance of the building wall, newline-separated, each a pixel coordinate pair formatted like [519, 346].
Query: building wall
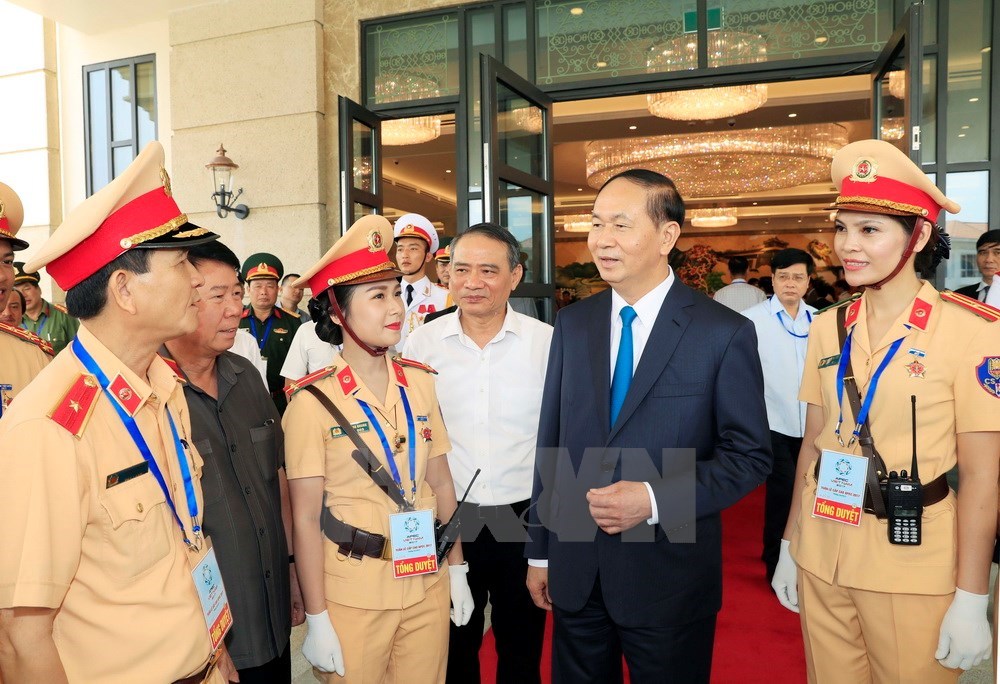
[29, 136]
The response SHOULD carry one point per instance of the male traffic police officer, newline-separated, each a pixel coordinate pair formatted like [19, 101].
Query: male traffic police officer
[272, 326]
[416, 243]
[48, 321]
[22, 354]
[102, 555]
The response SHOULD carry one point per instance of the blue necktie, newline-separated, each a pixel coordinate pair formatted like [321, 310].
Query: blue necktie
[623, 365]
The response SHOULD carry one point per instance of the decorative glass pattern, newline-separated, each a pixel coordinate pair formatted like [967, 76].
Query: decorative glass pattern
[412, 59]
[591, 39]
[800, 28]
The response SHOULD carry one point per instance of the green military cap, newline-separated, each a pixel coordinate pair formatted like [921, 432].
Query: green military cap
[22, 276]
[262, 265]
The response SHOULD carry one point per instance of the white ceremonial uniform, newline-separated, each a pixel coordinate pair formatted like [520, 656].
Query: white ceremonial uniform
[427, 298]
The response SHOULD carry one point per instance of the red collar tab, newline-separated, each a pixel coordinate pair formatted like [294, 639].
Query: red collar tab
[126, 396]
[174, 366]
[920, 313]
[348, 383]
[400, 374]
[852, 313]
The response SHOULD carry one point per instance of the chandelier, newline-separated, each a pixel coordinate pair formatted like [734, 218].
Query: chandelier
[577, 223]
[528, 119]
[724, 48]
[892, 128]
[717, 217]
[723, 163]
[405, 86]
[897, 84]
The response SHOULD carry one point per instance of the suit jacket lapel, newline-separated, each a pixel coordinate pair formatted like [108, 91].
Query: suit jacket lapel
[599, 333]
[663, 339]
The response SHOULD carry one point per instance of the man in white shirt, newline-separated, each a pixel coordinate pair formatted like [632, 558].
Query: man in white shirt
[782, 324]
[308, 353]
[491, 364]
[987, 261]
[739, 294]
[416, 242]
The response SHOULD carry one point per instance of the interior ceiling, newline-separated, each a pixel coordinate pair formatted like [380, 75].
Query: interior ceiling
[418, 176]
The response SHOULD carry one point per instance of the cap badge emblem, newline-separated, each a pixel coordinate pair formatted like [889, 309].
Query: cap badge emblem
[165, 179]
[374, 241]
[864, 171]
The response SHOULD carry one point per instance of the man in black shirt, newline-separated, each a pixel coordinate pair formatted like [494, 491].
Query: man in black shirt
[237, 431]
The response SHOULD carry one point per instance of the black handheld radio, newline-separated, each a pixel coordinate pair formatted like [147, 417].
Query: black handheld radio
[905, 497]
[446, 534]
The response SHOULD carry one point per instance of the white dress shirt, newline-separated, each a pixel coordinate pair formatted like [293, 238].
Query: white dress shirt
[490, 399]
[782, 360]
[982, 290]
[307, 353]
[246, 346]
[740, 295]
[993, 296]
[647, 308]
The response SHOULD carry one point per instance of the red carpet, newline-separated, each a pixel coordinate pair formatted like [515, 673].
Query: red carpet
[756, 641]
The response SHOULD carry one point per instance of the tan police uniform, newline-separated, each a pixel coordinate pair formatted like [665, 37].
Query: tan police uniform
[88, 532]
[371, 611]
[22, 357]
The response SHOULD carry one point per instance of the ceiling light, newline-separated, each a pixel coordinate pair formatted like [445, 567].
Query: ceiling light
[577, 223]
[632, 127]
[755, 204]
[447, 170]
[820, 40]
[413, 131]
[725, 48]
[973, 99]
[576, 11]
[601, 65]
[986, 49]
[965, 127]
[718, 217]
[723, 163]
[792, 115]
[961, 135]
[404, 85]
[579, 189]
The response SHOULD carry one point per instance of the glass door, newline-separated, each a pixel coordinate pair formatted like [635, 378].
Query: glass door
[518, 189]
[896, 86]
[360, 163]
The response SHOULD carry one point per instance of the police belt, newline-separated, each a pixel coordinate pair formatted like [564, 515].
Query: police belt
[934, 491]
[353, 541]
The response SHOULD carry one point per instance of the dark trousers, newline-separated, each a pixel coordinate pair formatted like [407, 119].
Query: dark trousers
[587, 648]
[778, 499]
[497, 571]
[277, 671]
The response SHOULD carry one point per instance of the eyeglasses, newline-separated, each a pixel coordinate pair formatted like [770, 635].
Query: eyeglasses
[790, 278]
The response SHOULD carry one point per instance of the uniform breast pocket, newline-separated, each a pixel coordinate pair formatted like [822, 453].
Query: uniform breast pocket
[136, 528]
[265, 448]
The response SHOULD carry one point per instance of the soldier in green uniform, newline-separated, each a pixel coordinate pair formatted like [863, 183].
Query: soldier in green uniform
[48, 321]
[272, 326]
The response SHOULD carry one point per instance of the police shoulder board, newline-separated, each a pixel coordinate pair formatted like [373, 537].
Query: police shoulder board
[73, 410]
[29, 337]
[981, 309]
[307, 380]
[847, 302]
[283, 310]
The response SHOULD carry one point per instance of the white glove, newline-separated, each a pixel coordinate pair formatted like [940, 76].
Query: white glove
[322, 647]
[965, 639]
[785, 576]
[461, 596]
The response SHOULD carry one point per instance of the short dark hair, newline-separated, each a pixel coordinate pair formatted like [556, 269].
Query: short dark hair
[320, 310]
[787, 258]
[988, 238]
[739, 265]
[24, 304]
[290, 276]
[213, 251]
[88, 298]
[494, 231]
[664, 202]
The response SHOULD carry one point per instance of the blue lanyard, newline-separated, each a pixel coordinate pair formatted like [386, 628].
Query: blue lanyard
[267, 330]
[410, 439]
[140, 443]
[866, 403]
[41, 324]
[809, 320]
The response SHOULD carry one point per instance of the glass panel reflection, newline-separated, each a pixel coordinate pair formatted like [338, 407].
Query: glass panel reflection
[523, 213]
[121, 103]
[969, 53]
[520, 125]
[121, 157]
[364, 142]
[971, 189]
[145, 76]
[412, 59]
[361, 210]
[97, 91]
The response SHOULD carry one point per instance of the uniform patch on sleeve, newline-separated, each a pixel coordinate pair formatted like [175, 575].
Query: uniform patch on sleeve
[988, 375]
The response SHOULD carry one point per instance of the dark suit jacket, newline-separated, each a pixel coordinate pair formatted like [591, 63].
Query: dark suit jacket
[698, 386]
[969, 290]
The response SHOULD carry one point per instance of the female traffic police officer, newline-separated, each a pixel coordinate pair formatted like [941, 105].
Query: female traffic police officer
[879, 601]
[371, 617]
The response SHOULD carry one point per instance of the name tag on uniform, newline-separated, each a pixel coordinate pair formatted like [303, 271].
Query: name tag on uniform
[337, 431]
[840, 489]
[413, 549]
[130, 473]
[829, 361]
[212, 594]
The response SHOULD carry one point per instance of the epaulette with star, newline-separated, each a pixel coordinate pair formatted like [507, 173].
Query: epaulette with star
[414, 364]
[850, 300]
[28, 337]
[73, 411]
[284, 310]
[295, 385]
[977, 307]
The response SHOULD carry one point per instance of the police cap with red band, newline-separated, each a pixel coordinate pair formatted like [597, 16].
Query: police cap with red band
[360, 256]
[416, 226]
[134, 211]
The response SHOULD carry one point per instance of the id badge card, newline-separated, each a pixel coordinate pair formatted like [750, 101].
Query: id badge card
[414, 551]
[212, 594]
[840, 488]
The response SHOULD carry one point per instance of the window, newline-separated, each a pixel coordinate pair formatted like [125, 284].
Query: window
[119, 109]
[969, 268]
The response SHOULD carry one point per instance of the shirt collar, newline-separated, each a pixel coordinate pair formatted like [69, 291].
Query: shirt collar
[511, 324]
[738, 280]
[982, 286]
[647, 308]
[775, 306]
[422, 285]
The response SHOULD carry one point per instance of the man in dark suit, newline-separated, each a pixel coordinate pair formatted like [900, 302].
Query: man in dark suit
[988, 261]
[652, 422]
